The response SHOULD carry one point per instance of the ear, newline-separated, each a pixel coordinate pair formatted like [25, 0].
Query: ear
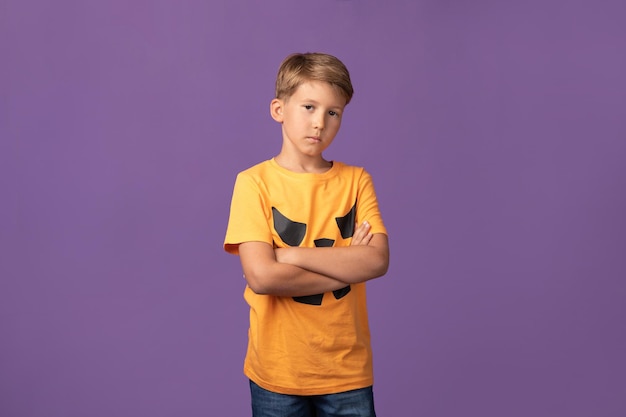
[276, 110]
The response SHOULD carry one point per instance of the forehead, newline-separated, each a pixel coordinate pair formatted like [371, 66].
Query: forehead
[320, 91]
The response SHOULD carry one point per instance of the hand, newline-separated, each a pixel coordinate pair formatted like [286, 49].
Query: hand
[362, 235]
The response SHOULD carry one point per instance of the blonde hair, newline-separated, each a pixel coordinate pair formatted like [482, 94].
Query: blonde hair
[299, 68]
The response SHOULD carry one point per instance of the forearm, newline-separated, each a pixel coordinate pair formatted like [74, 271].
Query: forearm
[349, 264]
[265, 275]
[286, 280]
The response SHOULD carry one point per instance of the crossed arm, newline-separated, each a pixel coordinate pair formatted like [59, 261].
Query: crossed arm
[296, 271]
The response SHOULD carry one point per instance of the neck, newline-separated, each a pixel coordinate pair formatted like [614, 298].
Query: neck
[314, 165]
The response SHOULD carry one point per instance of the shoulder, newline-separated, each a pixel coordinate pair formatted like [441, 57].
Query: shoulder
[342, 166]
[256, 172]
[352, 171]
[255, 169]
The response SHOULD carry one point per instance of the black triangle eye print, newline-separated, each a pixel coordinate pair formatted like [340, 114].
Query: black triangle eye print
[346, 223]
[292, 233]
[289, 231]
[324, 243]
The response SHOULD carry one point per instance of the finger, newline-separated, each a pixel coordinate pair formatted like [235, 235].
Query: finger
[360, 236]
[359, 231]
[365, 228]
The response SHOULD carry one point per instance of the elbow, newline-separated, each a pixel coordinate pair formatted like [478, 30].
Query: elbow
[379, 256]
[375, 266]
[257, 283]
[382, 267]
[381, 264]
[256, 288]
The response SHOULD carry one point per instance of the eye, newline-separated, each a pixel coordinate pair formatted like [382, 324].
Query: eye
[333, 113]
[308, 106]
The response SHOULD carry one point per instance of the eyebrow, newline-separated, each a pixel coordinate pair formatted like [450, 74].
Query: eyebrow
[333, 107]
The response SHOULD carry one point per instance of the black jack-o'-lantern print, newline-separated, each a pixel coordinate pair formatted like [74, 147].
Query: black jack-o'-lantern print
[292, 233]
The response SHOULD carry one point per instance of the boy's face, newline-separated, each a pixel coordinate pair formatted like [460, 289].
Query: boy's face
[310, 118]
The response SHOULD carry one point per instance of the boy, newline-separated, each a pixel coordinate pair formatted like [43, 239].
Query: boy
[309, 234]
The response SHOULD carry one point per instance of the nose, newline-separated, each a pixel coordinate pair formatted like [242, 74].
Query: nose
[318, 121]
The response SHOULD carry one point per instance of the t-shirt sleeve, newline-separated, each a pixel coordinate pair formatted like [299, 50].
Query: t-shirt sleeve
[367, 205]
[248, 219]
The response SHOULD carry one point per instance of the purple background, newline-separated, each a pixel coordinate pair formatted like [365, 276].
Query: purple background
[496, 135]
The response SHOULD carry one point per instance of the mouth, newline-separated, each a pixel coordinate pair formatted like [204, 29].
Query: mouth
[314, 138]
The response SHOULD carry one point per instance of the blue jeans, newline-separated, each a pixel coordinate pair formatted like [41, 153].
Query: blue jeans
[355, 403]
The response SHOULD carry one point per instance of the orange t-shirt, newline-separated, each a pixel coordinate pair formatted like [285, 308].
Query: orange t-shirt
[319, 344]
